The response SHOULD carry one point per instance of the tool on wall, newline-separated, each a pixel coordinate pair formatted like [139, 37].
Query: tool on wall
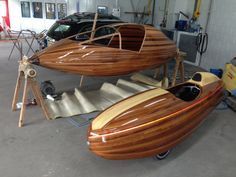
[194, 25]
[164, 21]
[202, 39]
[202, 44]
[196, 13]
[141, 17]
[153, 11]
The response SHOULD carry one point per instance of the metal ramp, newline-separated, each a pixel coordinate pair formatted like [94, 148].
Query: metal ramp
[81, 102]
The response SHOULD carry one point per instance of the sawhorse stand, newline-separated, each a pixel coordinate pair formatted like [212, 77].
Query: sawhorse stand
[27, 73]
[179, 67]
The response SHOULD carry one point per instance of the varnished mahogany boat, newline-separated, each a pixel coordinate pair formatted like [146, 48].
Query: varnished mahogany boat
[109, 50]
[154, 121]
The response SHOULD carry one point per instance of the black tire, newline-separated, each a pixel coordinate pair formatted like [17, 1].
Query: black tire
[226, 95]
[47, 88]
[162, 156]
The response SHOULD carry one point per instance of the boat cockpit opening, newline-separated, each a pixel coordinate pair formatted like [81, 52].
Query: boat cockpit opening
[127, 37]
[132, 37]
[186, 92]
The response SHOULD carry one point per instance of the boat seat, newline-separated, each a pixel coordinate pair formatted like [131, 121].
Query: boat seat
[186, 92]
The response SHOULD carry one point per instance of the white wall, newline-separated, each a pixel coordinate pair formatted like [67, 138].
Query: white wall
[35, 24]
[186, 6]
[173, 9]
[221, 29]
[159, 13]
[124, 5]
[222, 40]
[19, 23]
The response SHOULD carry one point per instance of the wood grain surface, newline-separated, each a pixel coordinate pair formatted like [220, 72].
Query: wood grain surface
[152, 126]
[142, 47]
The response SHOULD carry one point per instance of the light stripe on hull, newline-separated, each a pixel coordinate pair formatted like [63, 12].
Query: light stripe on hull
[157, 129]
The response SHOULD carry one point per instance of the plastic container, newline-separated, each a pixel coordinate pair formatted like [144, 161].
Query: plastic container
[181, 25]
[217, 72]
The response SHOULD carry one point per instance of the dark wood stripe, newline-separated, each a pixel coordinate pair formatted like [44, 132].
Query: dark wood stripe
[159, 137]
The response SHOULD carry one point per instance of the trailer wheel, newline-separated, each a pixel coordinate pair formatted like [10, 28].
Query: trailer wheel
[162, 155]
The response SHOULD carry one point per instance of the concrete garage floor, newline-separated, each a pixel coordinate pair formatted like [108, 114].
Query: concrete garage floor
[58, 149]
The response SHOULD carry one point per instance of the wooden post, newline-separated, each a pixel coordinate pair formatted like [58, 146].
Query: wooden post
[165, 71]
[16, 93]
[157, 73]
[179, 66]
[39, 97]
[81, 81]
[24, 102]
[94, 26]
[27, 73]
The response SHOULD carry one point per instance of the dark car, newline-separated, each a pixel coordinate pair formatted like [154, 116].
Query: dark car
[77, 23]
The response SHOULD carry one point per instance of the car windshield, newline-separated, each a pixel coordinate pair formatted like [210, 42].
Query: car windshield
[73, 18]
[77, 23]
[99, 32]
[62, 30]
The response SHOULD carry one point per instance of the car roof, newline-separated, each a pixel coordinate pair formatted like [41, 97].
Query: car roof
[81, 17]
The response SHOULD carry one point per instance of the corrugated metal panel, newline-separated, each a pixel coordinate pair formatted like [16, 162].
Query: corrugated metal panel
[86, 102]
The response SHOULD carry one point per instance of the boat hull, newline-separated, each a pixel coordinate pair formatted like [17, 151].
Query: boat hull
[157, 129]
[99, 60]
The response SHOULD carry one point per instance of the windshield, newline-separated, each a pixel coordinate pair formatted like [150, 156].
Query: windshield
[186, 91]
[62, 30]
[99, 32]
[72, 18]
[77, 23]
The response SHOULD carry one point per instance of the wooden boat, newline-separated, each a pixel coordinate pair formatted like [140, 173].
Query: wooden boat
[154, 121]
[111, 50]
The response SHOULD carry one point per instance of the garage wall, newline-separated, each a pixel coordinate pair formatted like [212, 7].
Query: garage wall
[174, 7]
[159, 13]
[18, 23]
[222, 40]
[89, 5]
[35, 24]
[221, 29]
[139, 5]
[125, 6]
[187, 6]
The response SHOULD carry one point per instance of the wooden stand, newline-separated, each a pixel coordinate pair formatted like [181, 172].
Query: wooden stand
[27, 73]
[165, 70]
[179, 66]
